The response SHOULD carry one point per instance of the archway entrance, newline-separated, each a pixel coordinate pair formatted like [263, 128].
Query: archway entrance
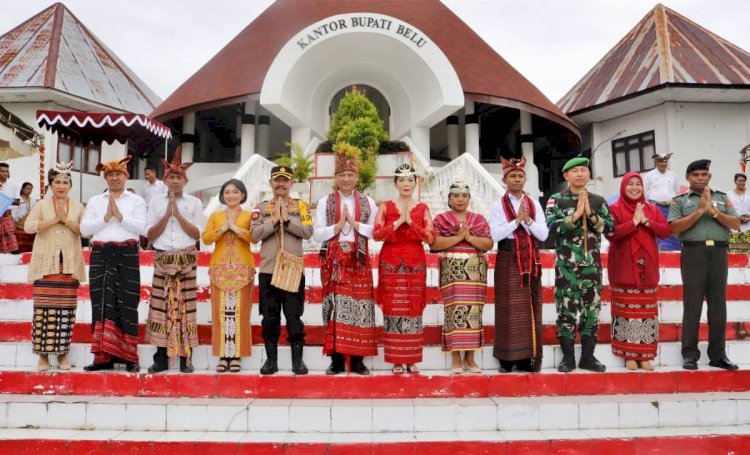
[373, 94]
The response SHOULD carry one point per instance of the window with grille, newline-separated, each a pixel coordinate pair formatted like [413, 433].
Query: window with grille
[85, 158]
[633, 153]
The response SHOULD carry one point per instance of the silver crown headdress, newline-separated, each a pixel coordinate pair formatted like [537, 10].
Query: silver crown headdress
[63, 168]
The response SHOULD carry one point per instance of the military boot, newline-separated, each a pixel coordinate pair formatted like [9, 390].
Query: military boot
[161, 362]
[270, 366]
[186, 364]
[568, 363]
[298, 366]
[588, 361]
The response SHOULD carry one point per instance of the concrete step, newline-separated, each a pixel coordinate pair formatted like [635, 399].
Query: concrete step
[18, 354]
[666, 440]
[670, 311]
[374, 416]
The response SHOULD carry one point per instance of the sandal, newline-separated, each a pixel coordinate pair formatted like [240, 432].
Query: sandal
[222, 366]
[646, 365]
[43, 364]
[235, 366]
[473, 369]
[412, 369]
[62, 362]
[397, 369]
[457, 370]
[631, 365]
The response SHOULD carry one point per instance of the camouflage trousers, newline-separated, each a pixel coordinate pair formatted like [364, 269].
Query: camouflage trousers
[578, 289]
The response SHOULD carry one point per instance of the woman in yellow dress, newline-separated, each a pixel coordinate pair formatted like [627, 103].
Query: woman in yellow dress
[232, 271]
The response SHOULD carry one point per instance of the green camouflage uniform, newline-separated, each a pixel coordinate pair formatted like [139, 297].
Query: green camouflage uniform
[578, 277]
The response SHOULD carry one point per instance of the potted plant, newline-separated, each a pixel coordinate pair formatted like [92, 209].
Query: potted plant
[302, 165]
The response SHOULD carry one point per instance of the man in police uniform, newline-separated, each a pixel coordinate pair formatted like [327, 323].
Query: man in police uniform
[701, 219]
[267, 218]
[578, 219]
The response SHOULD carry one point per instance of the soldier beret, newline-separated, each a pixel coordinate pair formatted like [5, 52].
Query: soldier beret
[577, 161]
[698, 165]
[281, 171]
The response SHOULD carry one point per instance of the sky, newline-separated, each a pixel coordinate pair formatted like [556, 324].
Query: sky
[552, 43]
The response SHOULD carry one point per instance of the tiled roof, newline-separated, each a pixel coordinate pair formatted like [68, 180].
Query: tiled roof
[55, 50]
[481, 71]
[663, 48]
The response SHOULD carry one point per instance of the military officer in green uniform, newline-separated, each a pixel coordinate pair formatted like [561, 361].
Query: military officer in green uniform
[577, 219]
[701, 219]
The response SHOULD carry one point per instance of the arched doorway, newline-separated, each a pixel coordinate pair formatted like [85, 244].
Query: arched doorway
[373, 94]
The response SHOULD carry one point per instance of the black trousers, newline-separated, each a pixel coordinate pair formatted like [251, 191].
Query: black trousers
[704, 276]
[273, 301]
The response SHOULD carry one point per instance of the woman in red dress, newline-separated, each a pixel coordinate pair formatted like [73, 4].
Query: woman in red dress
[634, 274]
[403, 224]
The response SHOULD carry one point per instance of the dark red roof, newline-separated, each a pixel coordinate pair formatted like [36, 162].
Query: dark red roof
[663, 48]
[240, 67]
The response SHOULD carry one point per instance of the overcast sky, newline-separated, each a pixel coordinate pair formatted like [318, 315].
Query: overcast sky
[552, 43]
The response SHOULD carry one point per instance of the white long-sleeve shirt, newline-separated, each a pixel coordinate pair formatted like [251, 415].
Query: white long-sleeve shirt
[501, 228]
[133, 225]
[660, 187]
[322, 231]
[174, 237]
[151, 190]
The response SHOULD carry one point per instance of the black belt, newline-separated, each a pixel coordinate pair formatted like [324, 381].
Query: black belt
[719, 243]
[506, 245]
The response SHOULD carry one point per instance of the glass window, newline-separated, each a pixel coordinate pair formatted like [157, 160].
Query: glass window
[633, 153]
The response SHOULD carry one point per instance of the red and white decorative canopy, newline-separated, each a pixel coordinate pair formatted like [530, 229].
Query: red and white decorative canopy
[98, 127]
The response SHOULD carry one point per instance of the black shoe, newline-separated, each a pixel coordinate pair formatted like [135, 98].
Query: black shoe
[132, 367]
[505, 366]
[270, 366]
[588, 361]
[358, 366]
[298, 366]
[99, 366]
[724, 364]
[186, 366]
[161, 362]
[690, 364]
[568, 362]
[338, 364]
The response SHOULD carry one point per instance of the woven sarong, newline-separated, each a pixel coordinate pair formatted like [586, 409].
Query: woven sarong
[463, 285]
[172, 320]
[115, 292]
[348, 304]
[231, 301]
[55, 300]
[513, 318]
[635, 325]
[8, 241]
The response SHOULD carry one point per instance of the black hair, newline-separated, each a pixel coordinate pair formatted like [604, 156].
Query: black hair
[150, 167]
[26, 183]
[237, 184]
[51, 174]
[405, 167]
[738, 175]
[4, 165]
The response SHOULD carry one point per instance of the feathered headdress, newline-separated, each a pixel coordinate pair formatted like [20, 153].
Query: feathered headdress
[176, 166]
[115, 166]
[513, 164]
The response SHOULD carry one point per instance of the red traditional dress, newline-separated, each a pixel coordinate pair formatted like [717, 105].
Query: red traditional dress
[463, 283]
[402, 273]
[633, 277]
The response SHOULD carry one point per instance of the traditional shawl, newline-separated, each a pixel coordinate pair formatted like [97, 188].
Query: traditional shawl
[333, 215]
[527, 253]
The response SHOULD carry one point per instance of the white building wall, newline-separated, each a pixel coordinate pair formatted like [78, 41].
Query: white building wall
[603, 133]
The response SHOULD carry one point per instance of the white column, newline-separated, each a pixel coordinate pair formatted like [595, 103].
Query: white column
[247, 131]
[301, 135]
[527, 148]
[263, 134]
[472, 130]
[188, 127]
[451, 132]
[420, 136]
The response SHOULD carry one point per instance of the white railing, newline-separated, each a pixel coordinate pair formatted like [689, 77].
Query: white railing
[484, 187]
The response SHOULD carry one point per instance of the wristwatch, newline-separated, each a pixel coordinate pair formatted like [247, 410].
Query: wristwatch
[716, 213]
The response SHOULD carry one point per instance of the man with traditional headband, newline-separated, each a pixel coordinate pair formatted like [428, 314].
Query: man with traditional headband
[174, 221]
[344, 224]
[272, 219]
[517, 225]
[578, 219]
[702, 218]
[114, 220]
[660, 185]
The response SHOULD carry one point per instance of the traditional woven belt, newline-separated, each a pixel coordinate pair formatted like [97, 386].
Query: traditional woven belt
[117, 244]
[506, 245]
[719, 243]
[460, 255]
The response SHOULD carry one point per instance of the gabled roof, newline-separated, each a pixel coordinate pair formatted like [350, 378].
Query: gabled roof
[55, 50]
[238, 70]
[663, 49]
